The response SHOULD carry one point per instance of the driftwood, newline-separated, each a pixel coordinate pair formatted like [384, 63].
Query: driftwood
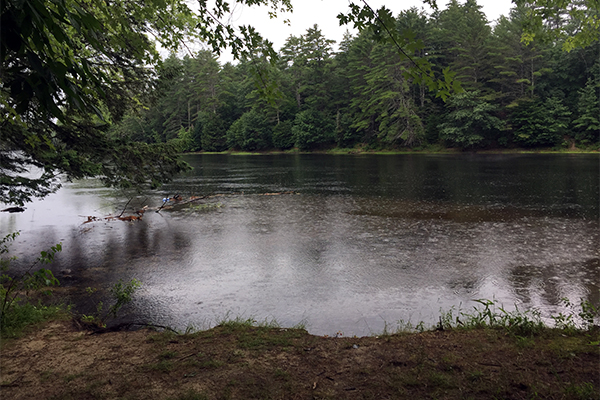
[169, 204]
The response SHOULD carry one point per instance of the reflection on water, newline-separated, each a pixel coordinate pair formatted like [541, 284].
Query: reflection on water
[363, 241]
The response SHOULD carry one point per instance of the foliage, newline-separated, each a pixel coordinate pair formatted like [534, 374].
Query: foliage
[70, 70]
[381, 25]
[213, 130]
[368, 93]
[588, 313]
[186, 142]
[587, 124]
[542, 123]
[576, 22]
[470, 121]
[489, 314]
[121, 293]
[283, 138]
[382, 106]
[517, 67]
[312, 129]
[520, 323]
[15, 313]
[85, 93]
[250, 132]
[464, 37]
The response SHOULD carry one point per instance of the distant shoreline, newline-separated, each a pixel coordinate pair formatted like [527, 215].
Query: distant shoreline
[359, 151]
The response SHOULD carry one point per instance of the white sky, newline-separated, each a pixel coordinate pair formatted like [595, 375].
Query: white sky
[323, 13]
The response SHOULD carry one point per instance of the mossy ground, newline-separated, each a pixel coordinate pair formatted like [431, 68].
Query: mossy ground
[239, 361]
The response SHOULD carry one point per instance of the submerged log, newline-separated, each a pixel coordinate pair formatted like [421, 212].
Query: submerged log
[13, 209]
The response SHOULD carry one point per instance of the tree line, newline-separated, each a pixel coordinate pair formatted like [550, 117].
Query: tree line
[511, 94]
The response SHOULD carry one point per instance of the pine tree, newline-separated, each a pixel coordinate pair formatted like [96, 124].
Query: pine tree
[471, 122]
[587, 124]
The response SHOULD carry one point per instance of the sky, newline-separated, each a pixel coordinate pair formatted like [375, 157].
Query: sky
[323, 13]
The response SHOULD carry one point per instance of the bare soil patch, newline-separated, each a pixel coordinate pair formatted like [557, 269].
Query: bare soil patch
[241, 362]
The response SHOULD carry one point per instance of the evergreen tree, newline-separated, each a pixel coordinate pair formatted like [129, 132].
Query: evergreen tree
[574, 24]
[312, 129]
[587, 123]
[250, 133]
[364, 126]
[386, 100]
[341, 94]
[212, 130]
[542, 123]
[462, 36]
[518, 67]
[471, 122]
[283, 135]
[367, 93]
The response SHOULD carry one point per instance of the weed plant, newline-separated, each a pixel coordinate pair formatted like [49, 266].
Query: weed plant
[240, 323]
[588, 313]
[490, 315]
[583, 316]
[121, 293]
[17, 310]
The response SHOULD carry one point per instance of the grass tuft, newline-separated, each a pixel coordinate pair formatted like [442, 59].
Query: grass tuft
[24, 314]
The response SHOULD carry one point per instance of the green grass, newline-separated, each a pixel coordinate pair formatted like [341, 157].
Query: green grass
[582, 391]
[256, 335]
[167, 355]
[23, 315]
[161, 366]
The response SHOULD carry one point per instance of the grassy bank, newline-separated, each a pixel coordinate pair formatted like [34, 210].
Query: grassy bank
[485, 354]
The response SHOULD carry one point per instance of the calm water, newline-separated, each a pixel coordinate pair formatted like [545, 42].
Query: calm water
[362, 241]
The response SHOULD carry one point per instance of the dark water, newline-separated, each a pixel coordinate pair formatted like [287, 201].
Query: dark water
[363, 241]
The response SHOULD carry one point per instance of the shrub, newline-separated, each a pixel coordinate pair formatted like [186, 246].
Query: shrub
[16, 309]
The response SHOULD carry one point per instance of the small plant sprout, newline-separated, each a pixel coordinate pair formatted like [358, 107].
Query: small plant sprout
[121, 293]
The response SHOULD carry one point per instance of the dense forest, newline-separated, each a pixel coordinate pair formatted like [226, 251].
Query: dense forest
[513, 94]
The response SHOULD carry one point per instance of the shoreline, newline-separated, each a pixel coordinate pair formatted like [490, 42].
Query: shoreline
[427, 151]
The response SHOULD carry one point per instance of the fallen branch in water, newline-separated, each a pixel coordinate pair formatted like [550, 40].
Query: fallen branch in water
[125, 208]
[172, 202]
[178, 200]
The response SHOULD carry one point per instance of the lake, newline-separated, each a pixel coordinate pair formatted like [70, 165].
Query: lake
[342, 243]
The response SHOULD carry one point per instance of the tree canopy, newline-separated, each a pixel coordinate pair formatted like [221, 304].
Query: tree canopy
[576, 23]
[365, 94]
[71, 68]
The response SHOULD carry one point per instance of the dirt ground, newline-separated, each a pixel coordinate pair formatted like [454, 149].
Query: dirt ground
[233, 361]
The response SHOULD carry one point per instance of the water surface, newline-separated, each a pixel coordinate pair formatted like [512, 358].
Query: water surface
[356, 242]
